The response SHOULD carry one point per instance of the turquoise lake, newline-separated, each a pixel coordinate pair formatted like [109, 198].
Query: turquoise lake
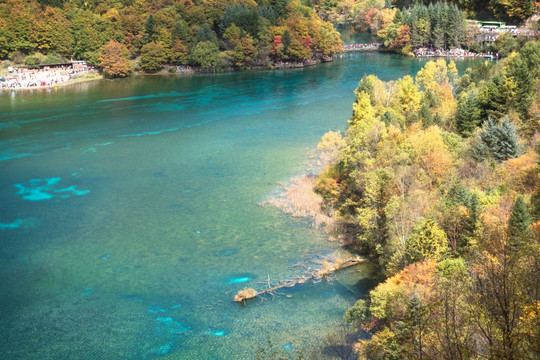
[129, 213]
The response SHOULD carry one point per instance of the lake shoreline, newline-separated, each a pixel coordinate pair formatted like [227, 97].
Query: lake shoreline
[95, 75]
[87, 77]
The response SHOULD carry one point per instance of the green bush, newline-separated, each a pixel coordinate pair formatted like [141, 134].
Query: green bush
[52, 58]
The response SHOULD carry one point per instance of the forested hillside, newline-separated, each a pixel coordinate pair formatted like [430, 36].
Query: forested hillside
[439, 25]
[435, 24]
[202, 33]
[437, 178]
[358, 10]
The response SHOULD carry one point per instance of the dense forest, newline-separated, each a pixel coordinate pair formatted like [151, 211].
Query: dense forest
[357, 11]
[179, 32]
[437, 178]
[214, 34]
[440, 25]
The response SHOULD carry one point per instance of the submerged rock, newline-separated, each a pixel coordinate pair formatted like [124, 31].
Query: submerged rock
[245, 294]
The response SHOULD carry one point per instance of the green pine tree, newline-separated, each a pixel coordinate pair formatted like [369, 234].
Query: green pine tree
[535, 198]
[492, 99]
[150, 28]
[519, 222]
[525, 90]
[425, 116]
[506, 145]
[366, 85]
[535, 203]
[456, 27]
[468, 116]
[437, 30]
[498, 142]
[388, 118]
[206, 34]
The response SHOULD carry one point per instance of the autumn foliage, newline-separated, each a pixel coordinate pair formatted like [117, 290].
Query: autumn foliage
[114, 61]
[167, 32]
[452, 220]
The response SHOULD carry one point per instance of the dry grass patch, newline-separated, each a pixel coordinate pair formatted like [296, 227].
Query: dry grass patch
[299, 200]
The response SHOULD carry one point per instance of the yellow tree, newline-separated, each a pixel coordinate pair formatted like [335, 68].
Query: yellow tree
[408, 96]
[114, 60]
[436, 73]
[430, 153]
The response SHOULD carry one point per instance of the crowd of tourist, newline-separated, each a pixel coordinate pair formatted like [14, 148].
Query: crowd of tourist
[294, 64]
[362, 47]
[491, 34]
[514, 31]
[431, 52]
[22, 78]
[181, 68]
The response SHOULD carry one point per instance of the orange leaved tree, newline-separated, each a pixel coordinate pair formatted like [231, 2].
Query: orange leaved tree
[114, 60]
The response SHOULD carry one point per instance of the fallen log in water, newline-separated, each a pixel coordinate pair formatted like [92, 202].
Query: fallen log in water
[327, 268]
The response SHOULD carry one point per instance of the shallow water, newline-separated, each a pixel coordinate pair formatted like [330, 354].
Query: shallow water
[129, 213]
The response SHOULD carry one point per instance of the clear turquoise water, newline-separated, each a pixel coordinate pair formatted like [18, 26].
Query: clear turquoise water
[129, 213]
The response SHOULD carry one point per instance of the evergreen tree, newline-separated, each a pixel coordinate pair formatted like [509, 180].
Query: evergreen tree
[530, 54]
[456, 27]
[460, 217]
[181, 30]
[206, 34]
[430, 99]
[286, 39]
[231, 15]
[424, 24]
[388, 118]
[279, 7]
[445, 12]
[470, 225]
[437, 119]
[366, 85]
[267, 12]
[358, 313]
[415, 326]
[437, 31]
[487, 141]
[398, 18]
[492, 98]
[150, 28]
[518, 224]
[507, 146]
[468, 115]
[425, 116]
[499, 142]
[525, 86]
[412, 21]
[535, 198]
